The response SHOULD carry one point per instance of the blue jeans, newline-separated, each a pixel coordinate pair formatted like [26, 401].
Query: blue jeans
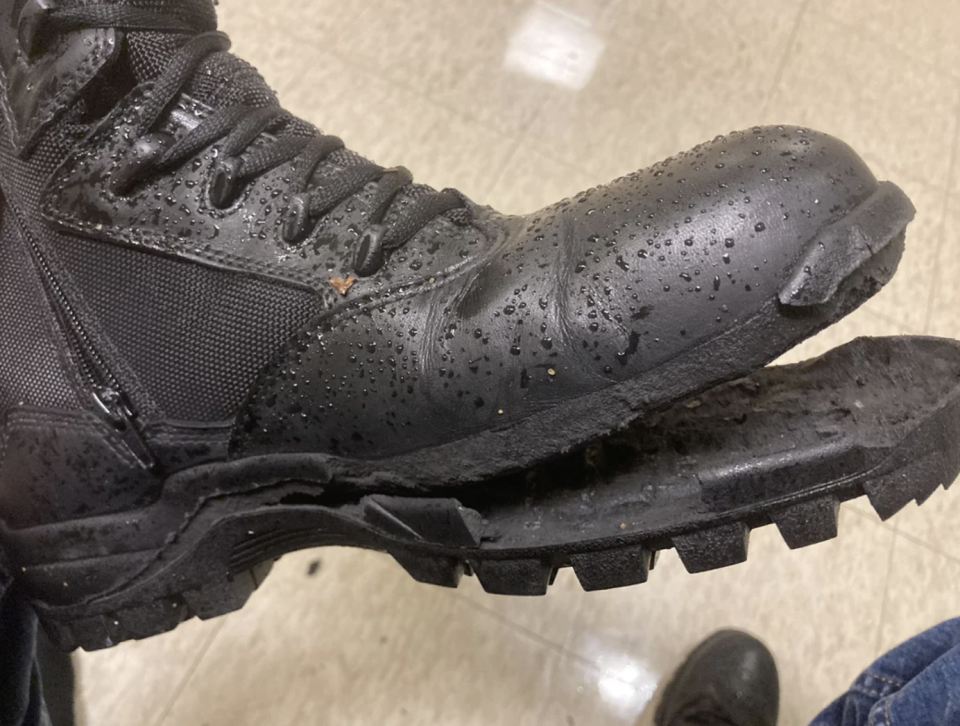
[915, 684]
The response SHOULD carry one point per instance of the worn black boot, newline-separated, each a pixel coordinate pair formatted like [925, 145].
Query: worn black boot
[729, 680]
[226, 336]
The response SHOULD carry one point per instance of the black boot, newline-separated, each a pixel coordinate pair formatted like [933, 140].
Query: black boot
[226, 336]
[729, 680]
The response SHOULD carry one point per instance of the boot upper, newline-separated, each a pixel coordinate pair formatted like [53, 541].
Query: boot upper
[209, 315]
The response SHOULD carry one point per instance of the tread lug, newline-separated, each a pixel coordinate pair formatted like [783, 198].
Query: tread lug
[224, 596]
[896, 489]
[441, 571]
[513, 577]
[612, 568]
[808, 523]
[710, 549]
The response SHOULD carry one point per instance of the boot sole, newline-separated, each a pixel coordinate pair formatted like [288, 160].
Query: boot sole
[786, 445]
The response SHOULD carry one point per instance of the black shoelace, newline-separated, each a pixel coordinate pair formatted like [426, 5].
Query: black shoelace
[237, 127]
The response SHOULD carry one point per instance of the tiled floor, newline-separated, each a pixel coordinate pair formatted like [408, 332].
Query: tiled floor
[518, 103]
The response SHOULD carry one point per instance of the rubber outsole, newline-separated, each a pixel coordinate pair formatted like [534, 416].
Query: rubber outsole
[786, 445]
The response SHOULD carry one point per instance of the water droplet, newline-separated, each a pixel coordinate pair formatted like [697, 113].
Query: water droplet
[728, 242]
[760, 226]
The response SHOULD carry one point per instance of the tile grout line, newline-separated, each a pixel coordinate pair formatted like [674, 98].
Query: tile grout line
[885, 601]
[894, 528]
[368, 68]
[510, 624]
[566, 648]
[867, 516]
[942, 230]
[548, 688]
[913, 539]
[561, 650]
[869, 35]
[884, 317]
[189, 674]
[787, 53]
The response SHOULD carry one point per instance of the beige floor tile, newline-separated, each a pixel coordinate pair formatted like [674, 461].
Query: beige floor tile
[531, 180]
[926, 29]
[945, 311]
[885, 104]
[923, 590]
[818, 609]
[549, 617]
[390, 124]
[680, 76]
[318, 21]
[361, 643]
[935, 523]
[453, 53]
[135, 682]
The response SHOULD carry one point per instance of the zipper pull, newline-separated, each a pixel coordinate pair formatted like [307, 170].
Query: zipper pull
[113, 407]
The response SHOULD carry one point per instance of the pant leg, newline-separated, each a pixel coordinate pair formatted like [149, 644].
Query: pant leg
[59, 681]
[916, 684]
[21, 702]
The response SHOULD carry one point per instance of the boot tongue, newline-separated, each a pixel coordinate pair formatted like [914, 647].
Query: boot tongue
[221, 80]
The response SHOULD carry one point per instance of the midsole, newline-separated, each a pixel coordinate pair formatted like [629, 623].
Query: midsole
[852, 416]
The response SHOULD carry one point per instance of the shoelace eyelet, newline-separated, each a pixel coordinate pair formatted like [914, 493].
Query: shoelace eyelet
[369, 255]
[223, 187]
[31, 24]
[296, 222]
[145, 152]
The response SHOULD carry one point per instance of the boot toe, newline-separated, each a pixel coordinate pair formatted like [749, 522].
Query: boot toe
[673, 255]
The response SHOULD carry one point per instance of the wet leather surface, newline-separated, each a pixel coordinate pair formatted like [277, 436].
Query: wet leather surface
[584, 294]
[37, 91]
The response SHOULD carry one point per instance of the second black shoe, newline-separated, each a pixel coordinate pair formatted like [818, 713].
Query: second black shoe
[730, 679]
[205, 300]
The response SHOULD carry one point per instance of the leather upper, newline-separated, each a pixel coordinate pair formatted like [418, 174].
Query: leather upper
[730, 679]
[590, 291]
[468, 326]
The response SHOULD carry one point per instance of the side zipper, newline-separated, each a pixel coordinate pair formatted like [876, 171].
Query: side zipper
[111, 404]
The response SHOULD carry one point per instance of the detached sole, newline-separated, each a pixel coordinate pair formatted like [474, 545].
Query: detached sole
[786, 445]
